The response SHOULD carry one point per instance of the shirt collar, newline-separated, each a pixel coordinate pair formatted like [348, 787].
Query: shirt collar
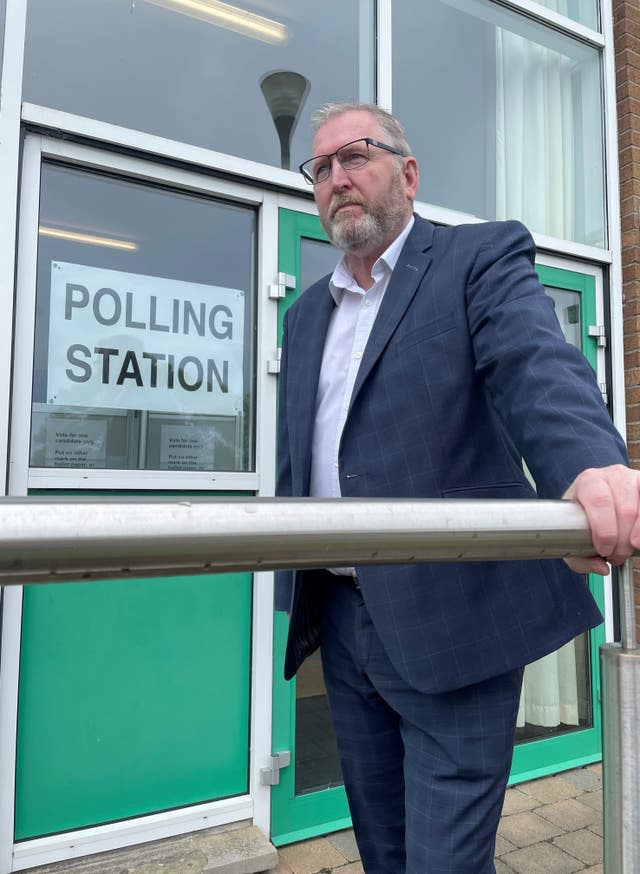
[342, 277]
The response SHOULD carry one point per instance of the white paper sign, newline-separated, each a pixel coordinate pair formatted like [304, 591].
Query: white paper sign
[133, 342]
[187, 447]
[75, 444]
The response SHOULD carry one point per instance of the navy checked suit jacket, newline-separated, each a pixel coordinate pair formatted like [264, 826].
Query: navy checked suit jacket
[465, 373]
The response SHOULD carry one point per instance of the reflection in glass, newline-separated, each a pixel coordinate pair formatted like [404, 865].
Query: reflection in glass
[503, 114]
[285, 93]
[3, 10]
[158, 69]
[317, 759]
[317, 259]
[144, 346]
[583, 11]
[569, 313]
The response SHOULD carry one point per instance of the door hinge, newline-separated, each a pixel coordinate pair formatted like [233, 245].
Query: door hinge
[603, 391]
[279, 288]
[273, 364]
[599, 333]
[270, 776]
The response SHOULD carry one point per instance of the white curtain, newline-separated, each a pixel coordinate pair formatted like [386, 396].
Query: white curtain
[535, 131]
[534, 183]
[550, 690]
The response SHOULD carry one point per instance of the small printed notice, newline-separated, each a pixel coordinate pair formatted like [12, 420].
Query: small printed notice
[76, 444]
[187, 447]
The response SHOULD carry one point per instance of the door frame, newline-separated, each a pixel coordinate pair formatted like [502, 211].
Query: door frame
[296, 817]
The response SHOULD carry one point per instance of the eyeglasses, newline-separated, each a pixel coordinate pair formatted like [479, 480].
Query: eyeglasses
[350, 156]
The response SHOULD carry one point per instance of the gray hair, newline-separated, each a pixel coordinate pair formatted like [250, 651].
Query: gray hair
[390, 126]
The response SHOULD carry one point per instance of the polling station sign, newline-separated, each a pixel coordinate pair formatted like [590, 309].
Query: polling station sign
[134, 342]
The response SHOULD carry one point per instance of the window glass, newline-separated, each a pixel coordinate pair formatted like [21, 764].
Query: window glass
[317, 258]
[241, 78]
[503, 114]
[568, 311]
[144, 344]
[3, 10]
[583, 11]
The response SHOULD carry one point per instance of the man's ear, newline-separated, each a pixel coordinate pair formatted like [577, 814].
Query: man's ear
[411, 176]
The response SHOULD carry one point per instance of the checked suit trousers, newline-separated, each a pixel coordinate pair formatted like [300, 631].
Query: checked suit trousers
[425, 775]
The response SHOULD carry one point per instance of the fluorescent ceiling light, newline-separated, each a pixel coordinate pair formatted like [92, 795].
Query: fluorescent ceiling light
[90, 239]
[230, 17]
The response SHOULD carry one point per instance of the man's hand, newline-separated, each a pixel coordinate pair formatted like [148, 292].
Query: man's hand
[610, 496]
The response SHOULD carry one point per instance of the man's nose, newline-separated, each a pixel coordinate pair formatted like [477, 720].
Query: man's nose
[340, 177]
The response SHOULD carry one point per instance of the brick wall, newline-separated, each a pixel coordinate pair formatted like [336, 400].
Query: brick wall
[626, 17]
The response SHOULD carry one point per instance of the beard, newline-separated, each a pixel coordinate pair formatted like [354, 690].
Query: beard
[380, 222]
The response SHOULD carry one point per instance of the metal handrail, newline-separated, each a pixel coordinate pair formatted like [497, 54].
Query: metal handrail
[59, 539]
[45, 540]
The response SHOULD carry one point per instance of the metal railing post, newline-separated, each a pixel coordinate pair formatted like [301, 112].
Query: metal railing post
[620, 670]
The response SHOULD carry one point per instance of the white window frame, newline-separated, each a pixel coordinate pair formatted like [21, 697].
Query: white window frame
[11, 85]
[10, 603]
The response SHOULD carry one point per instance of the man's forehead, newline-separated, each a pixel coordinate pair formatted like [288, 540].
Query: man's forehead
[341, 129]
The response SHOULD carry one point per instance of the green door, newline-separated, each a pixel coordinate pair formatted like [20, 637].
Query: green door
[561, 692]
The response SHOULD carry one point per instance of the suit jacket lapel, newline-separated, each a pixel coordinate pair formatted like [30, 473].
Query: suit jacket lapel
[409, 271]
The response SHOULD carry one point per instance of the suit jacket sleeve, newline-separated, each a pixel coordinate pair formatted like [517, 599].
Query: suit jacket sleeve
[541, 386]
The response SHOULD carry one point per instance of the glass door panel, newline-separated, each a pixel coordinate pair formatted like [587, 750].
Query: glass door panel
[144, 352]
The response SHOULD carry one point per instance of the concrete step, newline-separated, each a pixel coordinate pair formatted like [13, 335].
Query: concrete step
[238, 851]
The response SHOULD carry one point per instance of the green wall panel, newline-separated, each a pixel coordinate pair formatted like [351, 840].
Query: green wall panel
[134, 698]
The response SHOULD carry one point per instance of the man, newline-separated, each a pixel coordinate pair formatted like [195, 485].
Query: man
[429, 365]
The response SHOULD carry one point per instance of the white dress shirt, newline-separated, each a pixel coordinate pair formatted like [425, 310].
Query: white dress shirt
[347, 335]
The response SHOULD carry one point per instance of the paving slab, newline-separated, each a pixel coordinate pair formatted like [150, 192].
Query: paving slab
[345, 843]
[591, 799]
[503, 846]
[524, 829]
[598, 827]
[542, 858]
[550, 789]
[569, 814]
[583, 844]
[587, 779]
[516, 801]
[501, 868]
[311, 857]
